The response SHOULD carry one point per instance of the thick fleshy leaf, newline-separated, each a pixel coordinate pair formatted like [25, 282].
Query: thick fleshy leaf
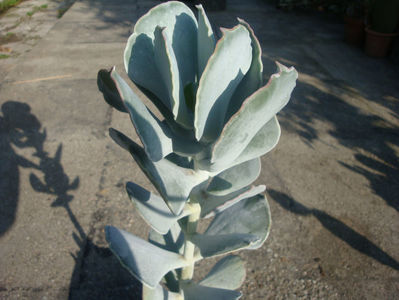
[255, 112]
[235, 178]
[193, 291]
[173, 240]
[224, 71]
[214, 245]
[146, 262]
[180, 29]
[173, 182]
[252, 80]
[160, 293]
[141, 67]
[249, 216]
[152, 208]
[211, 205]
[107, 86]
[263, 142]
[228, 273]
[154, 135]
[167, 66]
[205, 40]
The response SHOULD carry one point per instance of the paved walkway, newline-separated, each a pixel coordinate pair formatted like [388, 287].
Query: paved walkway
[333, 181]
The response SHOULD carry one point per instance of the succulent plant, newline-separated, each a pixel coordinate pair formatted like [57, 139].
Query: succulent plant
[203, 156]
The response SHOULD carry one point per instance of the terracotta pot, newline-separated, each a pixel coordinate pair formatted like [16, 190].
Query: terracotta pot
[354, 31]
[378, 44]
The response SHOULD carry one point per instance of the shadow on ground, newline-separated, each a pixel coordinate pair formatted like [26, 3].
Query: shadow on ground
[21, 129]
[97, 273]
[337, 228]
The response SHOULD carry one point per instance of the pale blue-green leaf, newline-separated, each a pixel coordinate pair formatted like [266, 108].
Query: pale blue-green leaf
[211, 205]
[154, 135]
[194, 291]
[249, 216]
[205, 40]
[252, 80]
[141, 67]
[228, 273]
[174, 183]
[173, 240]
[264, 141]
[180, 28]
[254, 113]
[224, 71]
[152, 208]
[235, 178]
[167, 66]
[107, 86]
[213, 245]
[160, 293]
[148, 263]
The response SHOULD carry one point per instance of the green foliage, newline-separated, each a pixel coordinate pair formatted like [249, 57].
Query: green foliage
[203, 157]
[36, 9]
[7, 4]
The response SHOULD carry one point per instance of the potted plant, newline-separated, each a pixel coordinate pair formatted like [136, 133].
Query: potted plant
[354, 22]
[383, 26]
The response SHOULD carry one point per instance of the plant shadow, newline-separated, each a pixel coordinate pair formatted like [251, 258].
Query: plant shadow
[337, 228]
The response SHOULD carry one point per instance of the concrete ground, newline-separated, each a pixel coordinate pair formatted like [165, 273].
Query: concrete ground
[333, 180]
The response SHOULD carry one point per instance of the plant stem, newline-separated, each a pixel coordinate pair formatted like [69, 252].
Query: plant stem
[187, 272]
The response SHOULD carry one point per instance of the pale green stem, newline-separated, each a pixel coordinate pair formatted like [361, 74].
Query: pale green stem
[189, 248]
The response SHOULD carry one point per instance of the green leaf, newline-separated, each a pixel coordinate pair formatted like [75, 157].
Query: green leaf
[228, 273]
[211, 205]
[107, 86]
[255, 112]
[190, 92]
[193, 291]
[174, 183]
[153, 134]
[205, 40]
[235, 178]
[252, 80]
[152, 208]
[249, 216]
[160, 293]
[146, 262]
[167, 66]
[224, 71]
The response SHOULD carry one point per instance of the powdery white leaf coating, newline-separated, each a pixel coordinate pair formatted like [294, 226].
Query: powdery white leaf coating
[152, 208]
[146, 262]
[205, 39]
[211, 204]
[249, 216]
[228, 273]
[224, 71]
[235, 178]
[153, 134]
[174, 183]
[194, 291]
[160, 293]
[254, 113]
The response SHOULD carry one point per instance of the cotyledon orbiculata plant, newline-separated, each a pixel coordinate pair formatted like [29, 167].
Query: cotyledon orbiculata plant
[202, 157]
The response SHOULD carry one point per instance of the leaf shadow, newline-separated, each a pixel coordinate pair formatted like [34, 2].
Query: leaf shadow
[352, 238]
